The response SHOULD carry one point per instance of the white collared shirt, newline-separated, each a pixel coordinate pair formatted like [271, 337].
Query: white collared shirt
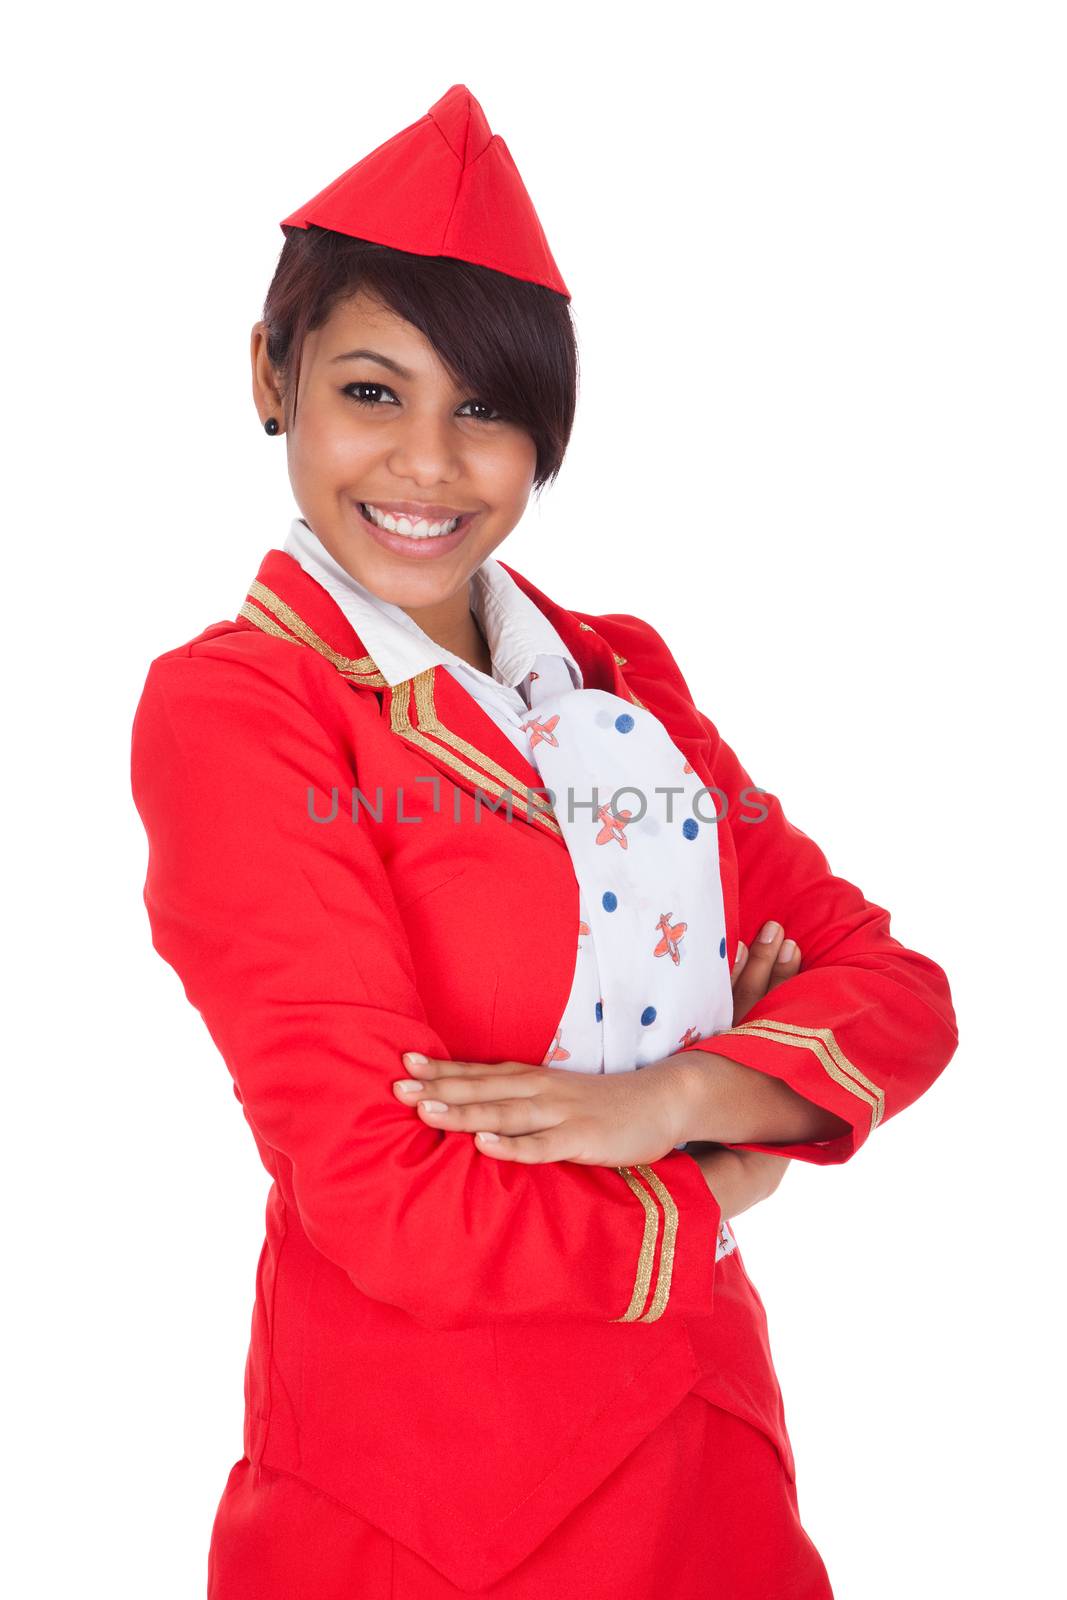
[516, 631]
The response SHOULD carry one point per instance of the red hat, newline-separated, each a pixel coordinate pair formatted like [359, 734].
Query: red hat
[444, 186]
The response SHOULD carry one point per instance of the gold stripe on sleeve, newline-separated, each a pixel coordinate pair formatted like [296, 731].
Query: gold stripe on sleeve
[828, 1053]
[666, 1259]
[646, 1253]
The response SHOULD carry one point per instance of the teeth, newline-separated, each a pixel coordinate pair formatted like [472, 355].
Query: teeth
[413, 527]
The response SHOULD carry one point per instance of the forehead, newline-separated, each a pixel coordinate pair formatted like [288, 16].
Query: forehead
[363, 310]
[362, 321]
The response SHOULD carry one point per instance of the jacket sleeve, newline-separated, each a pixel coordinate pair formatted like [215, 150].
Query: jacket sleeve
[286, 937]
[866, 1025]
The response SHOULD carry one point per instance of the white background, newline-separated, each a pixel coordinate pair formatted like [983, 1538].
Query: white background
[817, 258]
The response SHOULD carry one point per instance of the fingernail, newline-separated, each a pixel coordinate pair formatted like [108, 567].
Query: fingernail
[786, 952]
[413, 1058]
[407, 1085]
[742, 950]
[490, 1136]
[768, 933]
[435, 1107]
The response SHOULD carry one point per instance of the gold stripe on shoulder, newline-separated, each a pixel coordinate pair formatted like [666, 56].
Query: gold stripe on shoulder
[487, 775]
[828, 1053]
[646, 1252]
[262, 620]
[362, 670]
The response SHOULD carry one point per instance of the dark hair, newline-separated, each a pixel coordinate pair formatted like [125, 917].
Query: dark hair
[509, 343]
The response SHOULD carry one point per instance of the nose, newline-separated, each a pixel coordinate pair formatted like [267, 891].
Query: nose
[426, 450]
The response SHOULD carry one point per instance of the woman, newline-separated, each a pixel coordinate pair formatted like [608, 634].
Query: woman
[404, 858]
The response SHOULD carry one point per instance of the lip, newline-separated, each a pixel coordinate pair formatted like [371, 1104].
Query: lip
[420, 508]
[401, 544]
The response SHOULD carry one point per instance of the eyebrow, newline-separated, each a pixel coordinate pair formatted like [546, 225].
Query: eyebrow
[374, 355]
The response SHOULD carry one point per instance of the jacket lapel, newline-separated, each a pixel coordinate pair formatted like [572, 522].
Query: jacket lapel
[431, 711]
[434, 714]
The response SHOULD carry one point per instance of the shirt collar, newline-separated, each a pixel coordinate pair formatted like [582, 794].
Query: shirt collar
[515, 630]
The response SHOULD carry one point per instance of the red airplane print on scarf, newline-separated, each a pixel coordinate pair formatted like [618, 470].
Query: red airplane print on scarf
[555, 1050]
[668, 945]
[614, 822]
[541, 731]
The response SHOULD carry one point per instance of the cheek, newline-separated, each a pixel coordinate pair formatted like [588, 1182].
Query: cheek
[508, 472]
[330, 448]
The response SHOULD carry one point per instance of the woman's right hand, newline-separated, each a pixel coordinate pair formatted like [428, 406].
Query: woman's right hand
[738, 1178]
[742, 1178]
[759, 968]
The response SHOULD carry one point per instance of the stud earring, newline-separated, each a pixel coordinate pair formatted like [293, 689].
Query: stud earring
[271, 424]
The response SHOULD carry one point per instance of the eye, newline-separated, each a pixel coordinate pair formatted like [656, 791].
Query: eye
[496, 417]
[362, 400]
[354, 391]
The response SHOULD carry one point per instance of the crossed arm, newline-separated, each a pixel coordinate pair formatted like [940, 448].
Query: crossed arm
[520, 1112]
[291, 946]
[864, 1028]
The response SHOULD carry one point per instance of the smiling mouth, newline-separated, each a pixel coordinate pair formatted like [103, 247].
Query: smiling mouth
[411, 527]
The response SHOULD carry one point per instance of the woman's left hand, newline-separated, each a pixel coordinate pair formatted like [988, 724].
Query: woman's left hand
[550, 1114]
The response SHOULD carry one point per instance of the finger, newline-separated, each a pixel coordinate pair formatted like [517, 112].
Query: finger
[739, 961]
[510, 1117]
[427, 1067]
[786, 966]
[472, 1090]
[753, 982]
[422, 1067]
[531, 1148]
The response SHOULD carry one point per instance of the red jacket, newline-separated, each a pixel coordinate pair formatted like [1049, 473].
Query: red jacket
[460, 1348]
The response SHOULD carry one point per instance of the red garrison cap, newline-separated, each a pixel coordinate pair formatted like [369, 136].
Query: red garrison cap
[444, 186]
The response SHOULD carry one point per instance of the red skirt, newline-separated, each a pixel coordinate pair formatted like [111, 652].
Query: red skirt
[701, 1510]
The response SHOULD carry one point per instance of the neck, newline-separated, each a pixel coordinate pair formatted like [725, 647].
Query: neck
[453, 626]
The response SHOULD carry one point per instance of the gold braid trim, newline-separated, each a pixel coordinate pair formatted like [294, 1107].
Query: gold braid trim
[534, 807]
[670, 1233]
[363, 670]
[828, 1053]
[646, 1253]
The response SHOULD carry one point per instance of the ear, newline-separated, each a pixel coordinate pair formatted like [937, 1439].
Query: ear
[266, 391]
